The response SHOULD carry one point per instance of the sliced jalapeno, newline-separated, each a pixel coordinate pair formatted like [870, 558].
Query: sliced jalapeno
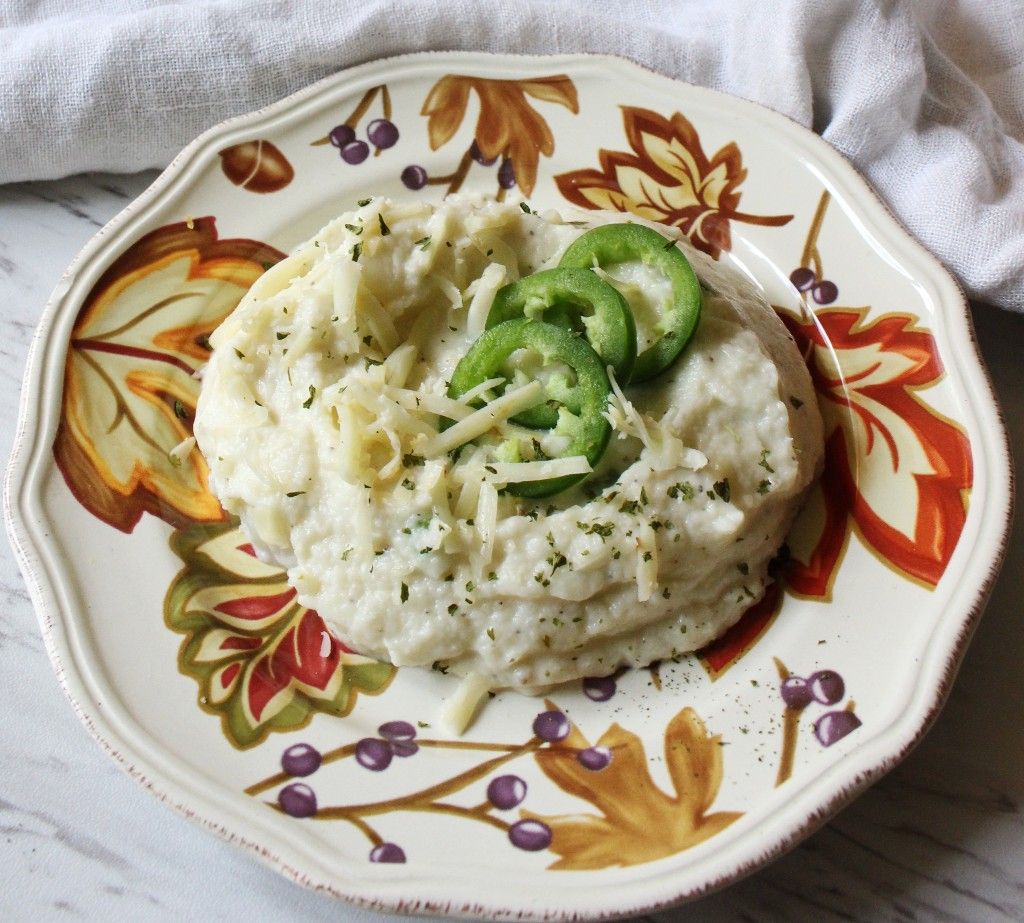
[581, 419]
[576, 298]
[619, 243]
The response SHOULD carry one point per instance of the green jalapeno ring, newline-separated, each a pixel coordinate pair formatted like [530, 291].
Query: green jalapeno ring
[588, 429]
[619, 243]
[577, 300]
[579, 296]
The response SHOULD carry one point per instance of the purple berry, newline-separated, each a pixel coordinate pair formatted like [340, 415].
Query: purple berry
[382, 133]
[795, 692]
[835, 725]
[397, 730]
[355, 152]
[599, 688]
[297, 800]
[341, 135]
[414, 177]
[300, 760]
[506, 792]
[826, 686]
[825, 292]
[551, 726]
[802, 278]
[404, 748]
[531, 835]
[477, 155]
[373, 753]
[506, 174]
[387, 852]
[594, 758]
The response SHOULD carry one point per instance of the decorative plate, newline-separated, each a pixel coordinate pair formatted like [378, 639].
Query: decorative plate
[194, 666]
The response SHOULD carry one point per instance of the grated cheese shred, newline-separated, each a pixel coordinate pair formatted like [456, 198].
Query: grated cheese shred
[492, 278]
[487, 520]
[665, 451]
[460, 708]
[646, 563]
[520, 472]
[480, 421]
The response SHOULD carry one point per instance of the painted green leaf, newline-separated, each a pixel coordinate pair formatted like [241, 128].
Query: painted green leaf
[263, 662]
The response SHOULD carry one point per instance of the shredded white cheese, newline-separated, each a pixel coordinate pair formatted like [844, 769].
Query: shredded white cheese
[450, 289]
[520, 472]
[500, 252]
[646, 563]
[377, 319]
[276, 279]
[480, 421]
[473, 393]
[459, 709]
[344, 289]
[665, 451]
[428, 402]
[487, 519]
[399, 364]
[492, 278]
[470, 473]
[182, 451]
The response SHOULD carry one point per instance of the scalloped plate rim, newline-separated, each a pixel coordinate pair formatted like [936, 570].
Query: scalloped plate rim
[729, 856]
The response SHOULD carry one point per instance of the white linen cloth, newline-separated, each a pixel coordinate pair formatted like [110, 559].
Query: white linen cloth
[926, 98]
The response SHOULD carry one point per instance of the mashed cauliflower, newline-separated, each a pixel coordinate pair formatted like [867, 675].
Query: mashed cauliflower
[319, 417]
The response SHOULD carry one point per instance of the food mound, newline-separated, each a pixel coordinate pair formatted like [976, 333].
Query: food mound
[522, 447]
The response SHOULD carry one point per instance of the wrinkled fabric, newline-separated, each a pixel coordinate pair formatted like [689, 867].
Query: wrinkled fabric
[925, 98]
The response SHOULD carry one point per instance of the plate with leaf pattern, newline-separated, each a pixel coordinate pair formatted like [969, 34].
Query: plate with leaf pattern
[193, 664]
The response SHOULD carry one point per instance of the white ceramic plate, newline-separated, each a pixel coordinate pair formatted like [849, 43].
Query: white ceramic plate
[192, 665]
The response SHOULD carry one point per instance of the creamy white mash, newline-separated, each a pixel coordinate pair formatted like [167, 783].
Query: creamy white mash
[319, 419]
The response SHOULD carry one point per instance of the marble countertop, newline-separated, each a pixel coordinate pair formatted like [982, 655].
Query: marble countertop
[940, 838]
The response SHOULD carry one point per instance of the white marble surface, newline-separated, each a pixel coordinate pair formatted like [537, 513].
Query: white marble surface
[941, 838]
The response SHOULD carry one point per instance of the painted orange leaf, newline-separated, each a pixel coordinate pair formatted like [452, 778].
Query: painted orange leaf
[263, 662]
[507, 126]
[894, 465]
[638, 822]
[129, 385]
[668, 178]
[721, 654]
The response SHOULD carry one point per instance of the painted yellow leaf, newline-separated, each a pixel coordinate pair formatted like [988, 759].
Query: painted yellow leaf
[637, 821]
[445, 108]
[507, 126]
[129, 379]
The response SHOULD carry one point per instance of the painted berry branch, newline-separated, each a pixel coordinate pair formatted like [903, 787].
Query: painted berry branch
[398, 739]
[340, 753]
[825, 687]
[807, 277]
[425, 798]
[415, 177]
[382, 133]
